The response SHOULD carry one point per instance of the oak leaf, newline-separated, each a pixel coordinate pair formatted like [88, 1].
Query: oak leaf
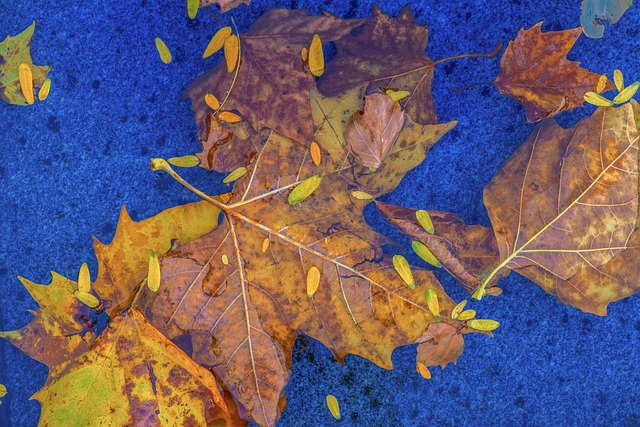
[564, 209]
[13, 52]
[243, 315]
[272, 88]
[132, 375]
[535, 72]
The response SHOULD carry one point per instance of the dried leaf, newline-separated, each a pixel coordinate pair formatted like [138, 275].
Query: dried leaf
[153, 273]
[371, 135]
[440, 344]
[225, 5]
[316, 56]
[534, 71]
[486, 325]
[334, 407]
[231, 52]
[26, 82]
[188, 161]
[304, 189]
[423, 252]
[217, 42]
[313, 280]
[163, 51]
[211, 101]
[595, 12]
[13, 52]
[43, 93]
[404, 270]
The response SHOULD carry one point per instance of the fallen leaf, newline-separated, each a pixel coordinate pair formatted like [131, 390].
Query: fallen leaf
[535, 72]
[26, 82]
[163, 51]
[334, 406]
[371, 134]
[271, 89]
[315, 57]
[217, 42]
[440, 344]
[13, 52]
[43, 93]
[225, 5]
[594, 12]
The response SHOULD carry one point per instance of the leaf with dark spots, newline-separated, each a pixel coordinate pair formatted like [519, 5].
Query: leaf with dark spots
[440, 344]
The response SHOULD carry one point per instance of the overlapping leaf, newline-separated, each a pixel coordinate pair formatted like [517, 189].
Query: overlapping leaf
[243, 315]
[535, 72]
[272, 87]
[225, 5]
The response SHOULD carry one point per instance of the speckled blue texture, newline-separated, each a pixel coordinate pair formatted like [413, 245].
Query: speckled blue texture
[68, 164]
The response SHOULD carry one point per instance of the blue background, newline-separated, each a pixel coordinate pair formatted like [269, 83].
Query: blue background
[69, 163]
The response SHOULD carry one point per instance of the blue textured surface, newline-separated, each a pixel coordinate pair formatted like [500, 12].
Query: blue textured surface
[68, 164]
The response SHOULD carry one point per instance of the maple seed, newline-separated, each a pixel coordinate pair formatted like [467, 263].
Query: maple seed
[313, 280]
[404, 270]
[602, 83]
[424, 219]
[265, 244]
[618, 79]
[235, 175]
[26, 82]
[217, 41]
[423, 252]
[163, 51]
[229, 117]
[334, 407]
[466, 315]
[423, 370]
[87, 299]
[316, 56]
[486, 325]
[84, 278]
[211, 101]
[626, 93]
[361, 195]
[303, 190]
[458, 309]
[597, 100]
[153, 274]
[44, 90]
[433, 304]
[231, 50]
[316, 156]
[187, 161]
[192, 8]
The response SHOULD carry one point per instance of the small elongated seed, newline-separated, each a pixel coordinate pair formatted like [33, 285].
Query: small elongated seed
[618, 79]
[316, 56]
[361, 195]
[265, 244]
[3, 390]
[627, 93]
[602, 83]
[423, 252]
[87, 299]
[225, 259]
[397, 95]
[231, 50]
[192, 8]
[229, 117]
[466, 315]
[597, 100]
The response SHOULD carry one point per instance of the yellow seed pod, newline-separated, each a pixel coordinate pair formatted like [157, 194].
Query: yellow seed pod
[225, 259]
[361, 195]
[334, 406]
[44, 90]
[187, 161]
[397, 95]
[229, 117]
[316, 155]
[3, 390]
[153, 273]
[423, 252]
[265, 244]
[316, 56]
[458, 309]
[87, 299]
[231, 51]
[303, 190]
[217, 41]
[602, 83]
[627, 93]
[84, 279]
[313, 280]
[163, 51]
[597, 100]
[403, 269]
[235, 175]
[212, 102]
[424, 219]
[192, 8]
[432, 303]
[466, 315]
[486, 325]
[423, 370]
[618, 79]
[26, 82]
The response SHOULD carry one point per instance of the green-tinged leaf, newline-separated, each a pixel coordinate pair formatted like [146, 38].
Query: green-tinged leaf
[361, 195]
[235, 175]
[163, 51]
[187, 161]
[466, 315]
[334, 406]
[153, 274]
[192, 8]
[87, 299]
[397, 95]
[433, 304]
[597, 100]
[627, 93]
[424, 219]
[486, 325]
[401, 265]
[303, 190]
[84, 279]
[423, 252]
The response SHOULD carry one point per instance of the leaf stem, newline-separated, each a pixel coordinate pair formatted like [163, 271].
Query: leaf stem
[495, 51]
[235, 75]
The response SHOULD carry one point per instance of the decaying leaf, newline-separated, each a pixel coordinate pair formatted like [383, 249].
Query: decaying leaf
[594, 12]
[535, 72]
[13, 52]
[225, 5]
[564, 209]
[440, 344]
[371, 135]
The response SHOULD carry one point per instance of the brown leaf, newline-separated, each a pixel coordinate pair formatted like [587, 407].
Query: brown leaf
[371, 134]
[387, 53]
[564, 208]
[440, 344]
[225, 5]
[227, 147]
[272, 88]
[467, 252]
[535, 72]
[243, 317]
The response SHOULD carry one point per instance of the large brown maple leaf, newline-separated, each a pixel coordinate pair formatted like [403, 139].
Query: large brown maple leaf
[241, 293]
